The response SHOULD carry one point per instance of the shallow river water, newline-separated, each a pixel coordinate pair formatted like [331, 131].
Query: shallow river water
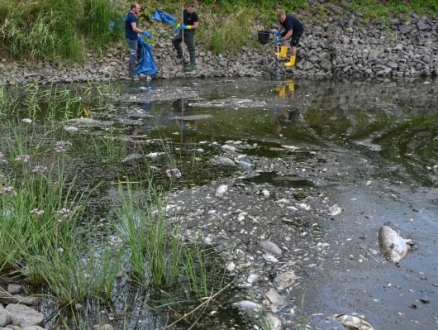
[384, 138]
[370, 147]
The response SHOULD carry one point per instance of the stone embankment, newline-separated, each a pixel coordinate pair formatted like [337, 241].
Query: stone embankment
[336, 43]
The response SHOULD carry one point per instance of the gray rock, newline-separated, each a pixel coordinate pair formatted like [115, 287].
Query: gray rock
[374, 54]
[24, 316]
[103, 327]
[14, 288]
[392, 65]
[422, 26]
[275, 301]
[33, 327]
[225, 161]
[404, 29]
[326, 65]
[5, 318]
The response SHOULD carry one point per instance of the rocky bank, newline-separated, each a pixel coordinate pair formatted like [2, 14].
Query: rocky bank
[336, 42]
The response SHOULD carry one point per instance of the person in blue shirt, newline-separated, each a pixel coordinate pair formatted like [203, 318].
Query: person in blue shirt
[293, 30]
[132, 37]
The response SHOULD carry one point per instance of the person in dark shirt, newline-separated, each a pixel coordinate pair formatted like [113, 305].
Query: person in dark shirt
[132, 37]
[190, 24]
[293, 29]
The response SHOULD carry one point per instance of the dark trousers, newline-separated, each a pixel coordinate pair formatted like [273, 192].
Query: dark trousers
[189, 40]
[134, 50]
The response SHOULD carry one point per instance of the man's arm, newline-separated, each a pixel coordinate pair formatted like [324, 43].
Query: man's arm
[135, 28]
[288, 34]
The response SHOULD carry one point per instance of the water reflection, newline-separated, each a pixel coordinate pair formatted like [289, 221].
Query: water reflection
[395, 120]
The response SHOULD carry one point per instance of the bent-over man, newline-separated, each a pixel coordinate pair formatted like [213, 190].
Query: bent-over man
[293, 30]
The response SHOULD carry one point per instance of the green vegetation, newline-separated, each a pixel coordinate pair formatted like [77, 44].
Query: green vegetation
[48, 235]
[66, 30]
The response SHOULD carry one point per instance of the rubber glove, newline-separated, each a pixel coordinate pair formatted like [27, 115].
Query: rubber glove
[140, 40]
[186, 27]
[280, 39]
[277, 33]
[146, 34]
[177, 29]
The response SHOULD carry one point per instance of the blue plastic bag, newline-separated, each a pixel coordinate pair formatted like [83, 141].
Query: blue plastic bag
[146, 65]
[164, 17]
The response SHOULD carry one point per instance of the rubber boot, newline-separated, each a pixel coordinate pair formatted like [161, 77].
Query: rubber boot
[291, 85]
[282, 53]
[131, 70]
[281, 91]
[291, 62]
[179, 51]
[192, 62]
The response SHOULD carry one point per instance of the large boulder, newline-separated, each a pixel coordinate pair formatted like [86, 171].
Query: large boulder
[24, 316]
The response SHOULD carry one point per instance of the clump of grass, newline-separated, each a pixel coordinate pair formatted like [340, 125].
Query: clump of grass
[157, 256]
[54, 102]
[228, 32]
[55, 29]
[153, 247]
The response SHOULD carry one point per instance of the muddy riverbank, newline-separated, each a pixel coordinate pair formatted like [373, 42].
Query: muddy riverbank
[336, 42]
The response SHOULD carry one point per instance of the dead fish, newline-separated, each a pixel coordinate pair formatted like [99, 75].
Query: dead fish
[393, 246]
[353, 322]
[252, 278]
[269, 257]
[270, 247]
[304, 206]
[71, 129]
[220, 191]
[193, 117]
[246, 304]
[334, 210]
[154, 155]
[132, 157]
[226, 147]
[231, 266]
[86, 121]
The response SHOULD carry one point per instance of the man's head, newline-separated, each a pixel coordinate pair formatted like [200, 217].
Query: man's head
[135, 8]
[281, 16]
[191, 8]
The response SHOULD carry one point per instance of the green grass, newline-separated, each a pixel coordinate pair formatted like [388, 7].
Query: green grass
[54, 103]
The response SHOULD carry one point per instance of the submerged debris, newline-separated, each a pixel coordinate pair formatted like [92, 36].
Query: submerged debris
[282, 281]
[353, 322]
